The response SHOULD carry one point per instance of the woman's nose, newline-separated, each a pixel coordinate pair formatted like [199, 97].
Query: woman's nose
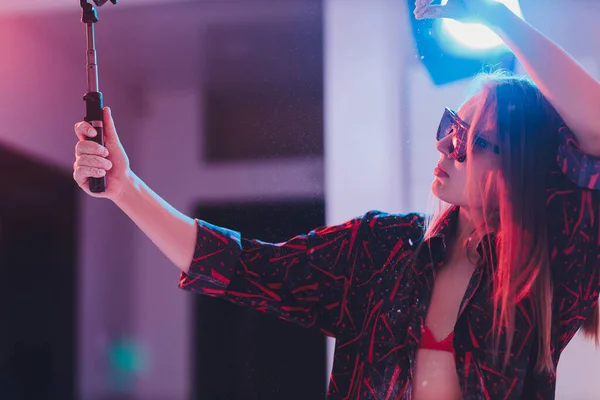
[443, 145]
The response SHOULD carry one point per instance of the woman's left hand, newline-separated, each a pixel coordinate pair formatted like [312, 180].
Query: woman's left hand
[460, 10]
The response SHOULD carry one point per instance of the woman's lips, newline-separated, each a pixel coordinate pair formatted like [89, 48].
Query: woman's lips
[439, 171]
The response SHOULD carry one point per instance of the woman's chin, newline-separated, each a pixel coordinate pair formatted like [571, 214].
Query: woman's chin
[444, 193]
[438, 190]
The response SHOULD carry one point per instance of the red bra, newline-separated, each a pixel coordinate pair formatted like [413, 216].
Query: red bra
[429, 342]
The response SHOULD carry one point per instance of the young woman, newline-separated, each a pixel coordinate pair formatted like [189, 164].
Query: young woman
[478, 302]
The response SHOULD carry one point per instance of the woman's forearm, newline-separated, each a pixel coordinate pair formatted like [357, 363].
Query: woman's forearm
[171, 231]
[572, 91]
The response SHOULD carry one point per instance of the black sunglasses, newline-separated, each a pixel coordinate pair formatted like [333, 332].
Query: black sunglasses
[451, 124]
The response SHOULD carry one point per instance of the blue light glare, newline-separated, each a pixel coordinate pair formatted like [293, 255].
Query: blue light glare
[476, 36]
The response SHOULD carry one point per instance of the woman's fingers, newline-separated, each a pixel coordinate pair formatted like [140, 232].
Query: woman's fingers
[422, 3]
[90, 166]
[84, 130]
[434, 12]
[81, 174]
[93, 161]
[110, 131]
[89, 147]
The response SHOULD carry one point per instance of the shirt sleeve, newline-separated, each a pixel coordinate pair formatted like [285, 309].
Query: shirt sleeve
[310, 279]
[573, 205]
[581, 168]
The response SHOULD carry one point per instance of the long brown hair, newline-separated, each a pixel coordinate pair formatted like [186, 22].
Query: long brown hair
[513, 200]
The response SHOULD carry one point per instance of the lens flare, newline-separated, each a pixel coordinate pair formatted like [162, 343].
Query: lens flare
[476, 36]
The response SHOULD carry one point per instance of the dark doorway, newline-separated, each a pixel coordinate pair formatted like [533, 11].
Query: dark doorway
[37, 280]
[242, 353]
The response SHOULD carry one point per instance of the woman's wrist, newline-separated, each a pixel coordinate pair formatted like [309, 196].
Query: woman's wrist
[496, 15]
[127, 190]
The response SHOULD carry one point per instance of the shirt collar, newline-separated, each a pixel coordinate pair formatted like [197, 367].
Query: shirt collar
[437, 244]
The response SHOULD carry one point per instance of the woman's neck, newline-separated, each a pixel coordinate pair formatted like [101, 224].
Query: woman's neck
[464, 235]
[465, 226]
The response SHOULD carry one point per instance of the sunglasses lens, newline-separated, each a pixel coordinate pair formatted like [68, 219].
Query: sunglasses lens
[455, 142]
[445, 128]
[449, 125]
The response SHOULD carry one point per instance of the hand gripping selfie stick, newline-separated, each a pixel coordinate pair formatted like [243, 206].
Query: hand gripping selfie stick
[93, 97]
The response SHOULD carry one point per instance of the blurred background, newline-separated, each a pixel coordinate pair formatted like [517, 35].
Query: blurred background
[267, 116]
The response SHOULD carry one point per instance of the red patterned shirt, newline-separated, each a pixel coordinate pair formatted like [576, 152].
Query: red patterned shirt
[354, 282]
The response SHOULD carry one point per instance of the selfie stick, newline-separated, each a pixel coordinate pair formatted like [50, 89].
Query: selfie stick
[93, 97]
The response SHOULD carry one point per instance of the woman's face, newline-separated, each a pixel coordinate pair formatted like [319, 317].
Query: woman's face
[451, 176]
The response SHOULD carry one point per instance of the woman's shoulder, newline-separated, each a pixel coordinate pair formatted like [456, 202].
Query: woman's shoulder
[411, 225]
[404, 219]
